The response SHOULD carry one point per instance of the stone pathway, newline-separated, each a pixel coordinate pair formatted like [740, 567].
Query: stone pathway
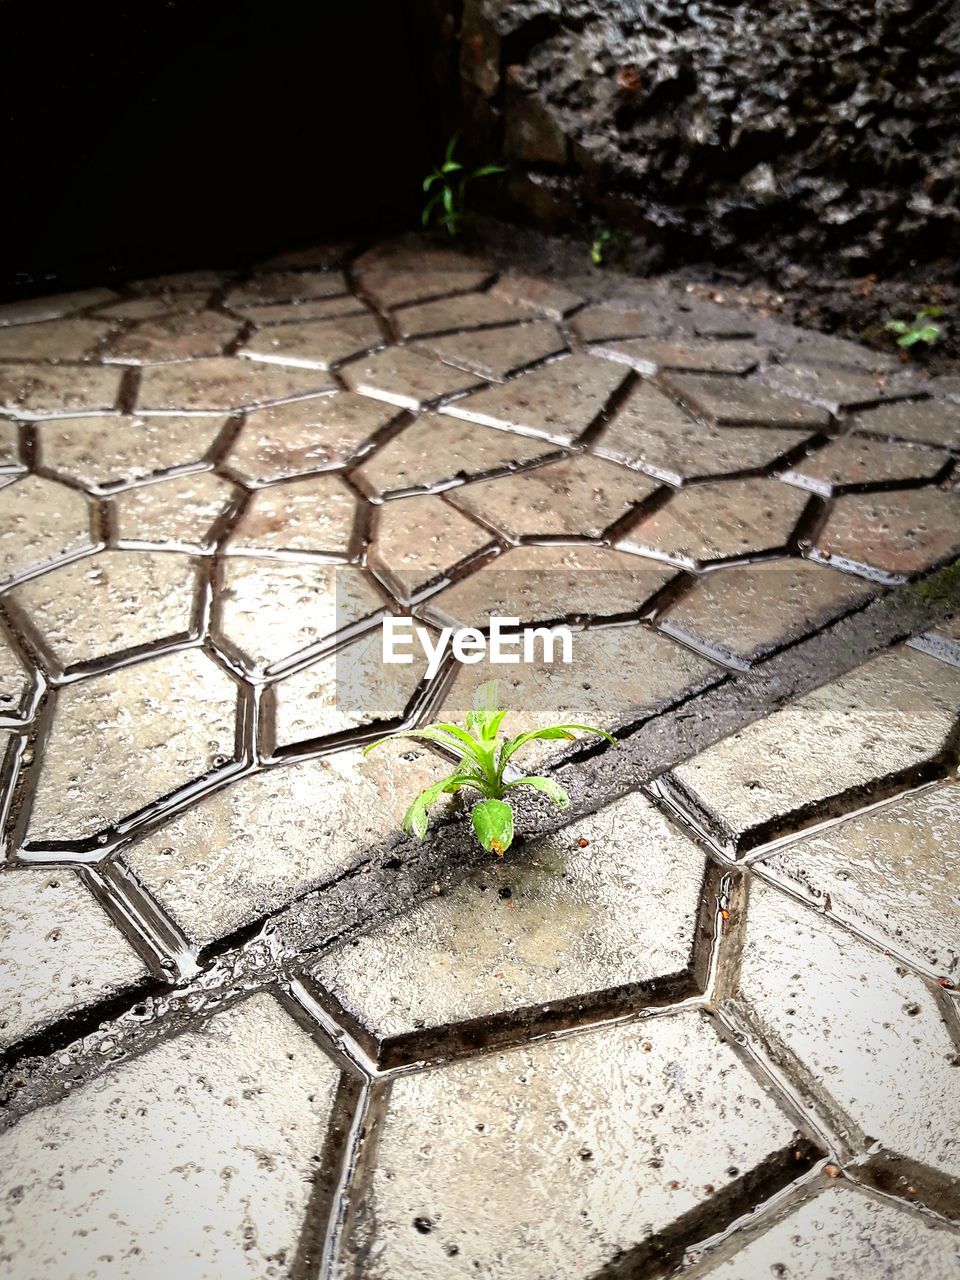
[708, 1019]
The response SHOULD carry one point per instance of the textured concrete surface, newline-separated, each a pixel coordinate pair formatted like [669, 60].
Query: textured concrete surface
[711, 1007]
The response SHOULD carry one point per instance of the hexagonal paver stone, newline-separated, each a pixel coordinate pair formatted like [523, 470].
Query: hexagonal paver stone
[603, 913]
[417, 540]
[551, 583]
[843, 1231]
[557, 401]
[59, 953]
[122, 740]
[606, 323]
[711, 321]
[578, 497]
[32, 310]
[743, 613]
[653, 433]
[45, 391]
[312, 516]
[893, 873]
[245, 851]
[350, 689]
[935, 422]
[110, 604]
[224, 384]
[72, 339]
[394, 283]
[305, 436]
[105, 453]
[286, 286]
[206, 1148]
[16, 683]
[494, 353]
[741, 402]
[149, 308]
[41, 522]
[10, 460]
[712, 522]
[546, 296]
[680, 353]
[854, 461]
[404, 377]
[435, 453]
[806, 346]
[892, 535]
[617, 676]
[447, 315]
[863, 1036]
[553, 1133]
[186, 513]
[827, 752]
[268, 612]
[838, 389]
[298, 312]
[314, 344]
[172, 337]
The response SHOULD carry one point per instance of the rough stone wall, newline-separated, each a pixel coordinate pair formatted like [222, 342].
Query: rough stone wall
[815, 130]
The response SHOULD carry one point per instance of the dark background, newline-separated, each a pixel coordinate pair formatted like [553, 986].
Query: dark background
[165, 134]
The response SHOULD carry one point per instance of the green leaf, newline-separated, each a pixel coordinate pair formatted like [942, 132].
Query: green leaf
[448, 155]
[909, 339]
[449, 736]
[550, 733]
[415, 819]
[451, 166]
[448, 199]
[931, 312]
[430, 179]
[488, 169]
[493, 823]
[929, 333]
[547, 785]
[897, 326]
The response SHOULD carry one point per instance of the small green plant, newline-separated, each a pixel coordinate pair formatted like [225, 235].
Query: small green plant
[483, 757]
[447, 205]
[919, 331]
[601, 245]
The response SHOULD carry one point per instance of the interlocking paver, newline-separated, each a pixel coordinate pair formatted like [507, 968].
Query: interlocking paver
[895, 534]
[404, 377]
[578, 497]
[679, 353]
[59, 953]
[394, 278]
[224, 384]
[286, 286]
[741, 402]
[546, 296]
[935, 422]
[150, 307]
[557, 401]
[305, 436]
[838, 389]
[10, 460]
[548, 583]
[16, 682]
[806, 346]
[299, 312]
[41, 522]
[843, 1231]
[618, 675]
[313, 820]
[865, 1036]
[311, 516]
[33, 310]
[184, 513]
[712, 522]
[745, 612]
[516, 1163]
[495, 353]
[435, 452]
[650, 431]
[109, 604]
[894, 873]
[308, 602]
[611, 324]
[169, 338]
[49, 391]
[218, 1130]
[349, 689]
[610, 902]
[826, 750]
[445, 315]
[314, 344]
[72, 339]
[103, 453]
[417, 540]
[159, 724]
[853, 461]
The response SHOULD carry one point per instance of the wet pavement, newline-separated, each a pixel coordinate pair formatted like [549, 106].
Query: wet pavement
[706, 1021]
